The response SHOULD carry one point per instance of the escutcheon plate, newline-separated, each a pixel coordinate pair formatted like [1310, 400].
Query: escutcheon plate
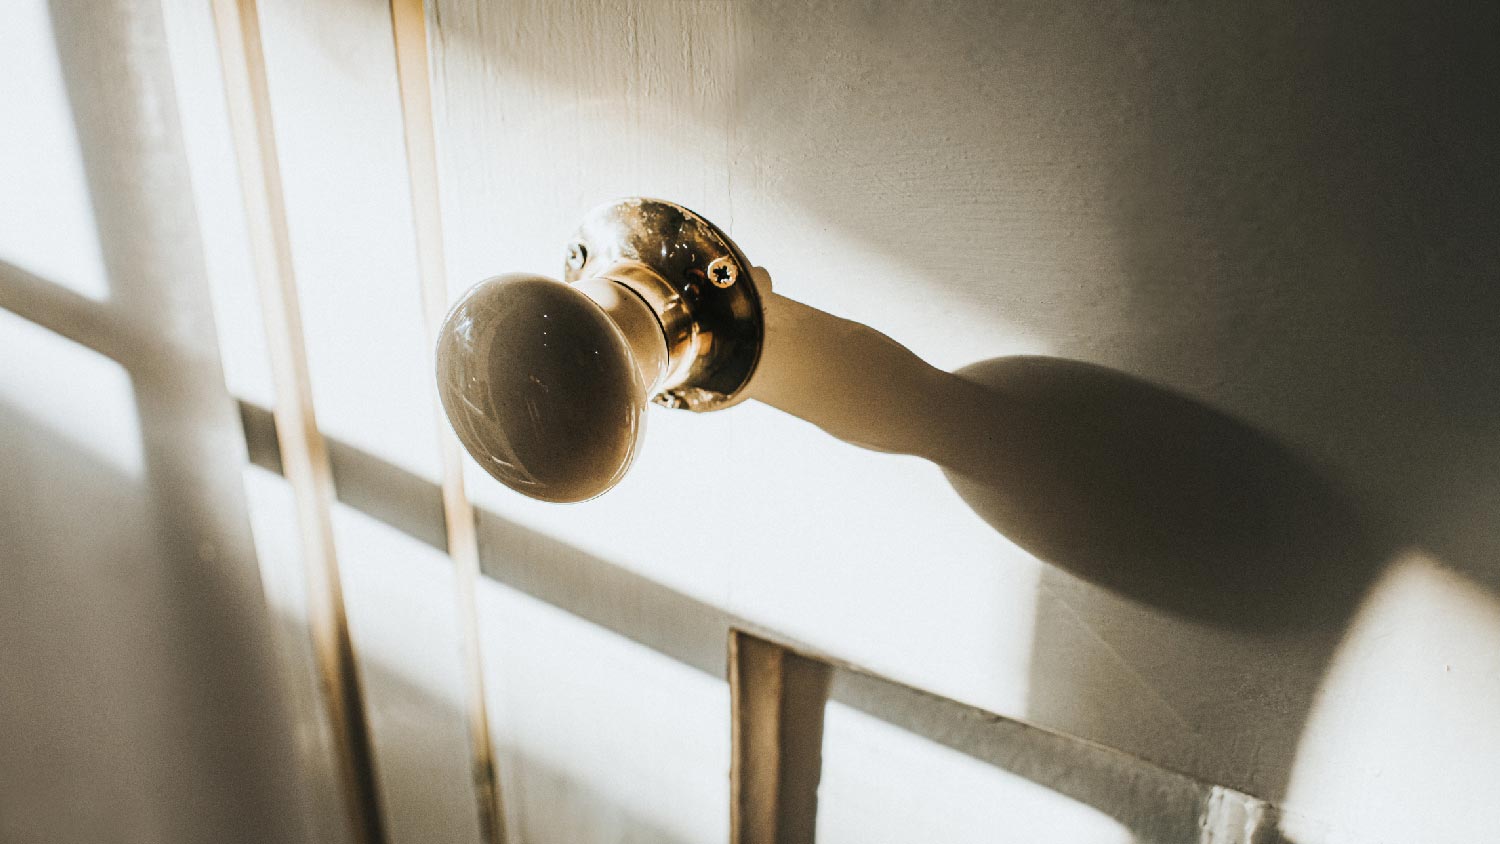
[705, 269]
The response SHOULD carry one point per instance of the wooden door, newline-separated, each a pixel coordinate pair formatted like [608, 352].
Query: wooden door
[1204, 220]
[1129, 375]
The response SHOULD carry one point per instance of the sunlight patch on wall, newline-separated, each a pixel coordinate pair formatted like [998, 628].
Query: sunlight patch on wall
[600, 737]
[334, 101]
[400, 598]
[1409, 716]
[882, 784]
[199, 86]
[78, 393]
[46, 219]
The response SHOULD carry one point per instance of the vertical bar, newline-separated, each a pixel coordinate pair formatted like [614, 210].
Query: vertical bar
[777, 700]
[409, 27]
[304, 454]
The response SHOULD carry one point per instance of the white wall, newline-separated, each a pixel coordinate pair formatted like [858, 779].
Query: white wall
[1264, 513]
[1237, 520]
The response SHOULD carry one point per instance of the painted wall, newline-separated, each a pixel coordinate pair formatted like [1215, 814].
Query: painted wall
[1131, 372]
[1238, 518]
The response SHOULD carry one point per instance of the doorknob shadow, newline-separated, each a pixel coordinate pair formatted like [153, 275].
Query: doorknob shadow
[1111, 478]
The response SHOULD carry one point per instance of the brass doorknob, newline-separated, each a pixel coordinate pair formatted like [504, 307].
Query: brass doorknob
[546, 382]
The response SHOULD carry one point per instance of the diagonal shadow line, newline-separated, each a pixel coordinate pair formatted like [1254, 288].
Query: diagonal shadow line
[1156, 804]
[428, 770]
[97, 326]
[559, 574]
[64, 312]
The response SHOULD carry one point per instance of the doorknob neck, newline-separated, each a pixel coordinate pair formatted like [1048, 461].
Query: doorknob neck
[638, 321]
[673, 318]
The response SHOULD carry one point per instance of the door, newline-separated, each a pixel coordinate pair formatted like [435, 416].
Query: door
[1121, 459]
[1193, 249]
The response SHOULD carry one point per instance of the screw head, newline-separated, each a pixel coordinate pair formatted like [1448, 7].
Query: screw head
[722, 272]
[578, 255]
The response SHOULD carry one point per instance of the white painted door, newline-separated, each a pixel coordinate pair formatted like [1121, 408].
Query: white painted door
[1214, 485]
[1253, 245]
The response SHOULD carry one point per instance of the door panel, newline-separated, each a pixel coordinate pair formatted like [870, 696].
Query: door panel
[1217, 276]
[336, 116]
[1189, 209]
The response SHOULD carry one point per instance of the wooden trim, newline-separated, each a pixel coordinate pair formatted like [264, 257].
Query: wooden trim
[409, 27]
[777, 699]
[304, 455]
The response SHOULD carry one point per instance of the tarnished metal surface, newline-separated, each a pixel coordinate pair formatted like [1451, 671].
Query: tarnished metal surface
[710, 278]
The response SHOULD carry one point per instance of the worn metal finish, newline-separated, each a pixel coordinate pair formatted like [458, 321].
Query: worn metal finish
[686, 268]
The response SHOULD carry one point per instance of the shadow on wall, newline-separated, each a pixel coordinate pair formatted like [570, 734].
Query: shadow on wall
[1279, 207]
[147, 707]
[1111, 478]
[105, 696]
[1282, 207]
[1154, 803]
[1156, 497]
[1287, 210]
[129, 672]
[401, 709]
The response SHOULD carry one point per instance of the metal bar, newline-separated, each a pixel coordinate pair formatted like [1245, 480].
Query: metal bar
[409, 27]
[304, 455]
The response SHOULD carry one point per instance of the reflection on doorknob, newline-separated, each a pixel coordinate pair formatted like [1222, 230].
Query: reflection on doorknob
[546, 382]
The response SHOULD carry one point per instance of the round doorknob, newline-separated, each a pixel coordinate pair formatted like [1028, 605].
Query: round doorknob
[547, 382]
